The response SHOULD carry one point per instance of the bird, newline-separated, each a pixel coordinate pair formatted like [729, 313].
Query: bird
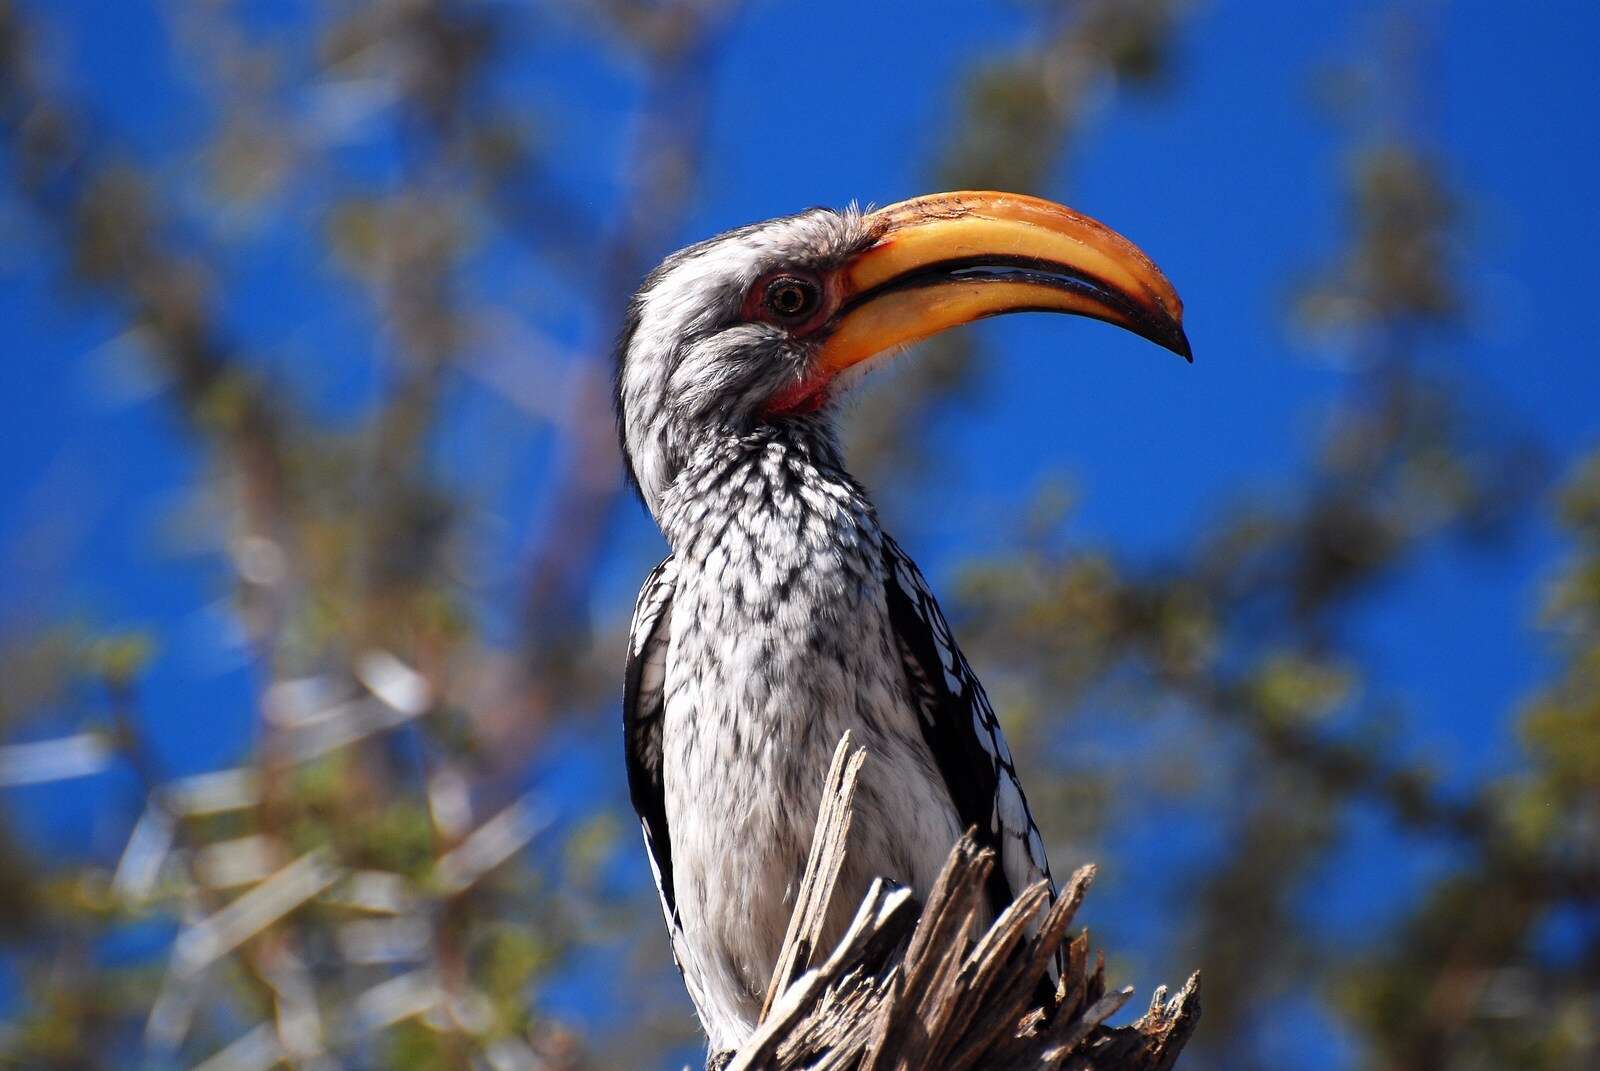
[785, 615]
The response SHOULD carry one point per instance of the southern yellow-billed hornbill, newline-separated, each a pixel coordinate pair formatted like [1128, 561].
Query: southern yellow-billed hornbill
[785, 614]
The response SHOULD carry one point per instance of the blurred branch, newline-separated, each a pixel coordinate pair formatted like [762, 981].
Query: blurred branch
[667, 146]
[364, 779]
[1243, 628]
[107, 219]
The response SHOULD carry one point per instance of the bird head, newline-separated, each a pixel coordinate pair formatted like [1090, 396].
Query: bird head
[771, 321]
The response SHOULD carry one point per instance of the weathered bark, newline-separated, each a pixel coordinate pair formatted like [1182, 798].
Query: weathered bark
[918, 988]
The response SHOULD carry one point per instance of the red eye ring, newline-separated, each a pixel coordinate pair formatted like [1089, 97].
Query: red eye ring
[792, 298]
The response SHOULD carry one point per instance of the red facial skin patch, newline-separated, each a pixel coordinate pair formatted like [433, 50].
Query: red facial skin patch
[811, 393]
[801, 399]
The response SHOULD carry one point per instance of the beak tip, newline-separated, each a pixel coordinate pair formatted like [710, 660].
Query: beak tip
[1172, 337]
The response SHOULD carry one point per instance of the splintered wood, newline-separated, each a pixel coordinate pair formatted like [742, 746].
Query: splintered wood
[914, 987]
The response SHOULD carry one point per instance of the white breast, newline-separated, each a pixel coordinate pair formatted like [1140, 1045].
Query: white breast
[780, 642]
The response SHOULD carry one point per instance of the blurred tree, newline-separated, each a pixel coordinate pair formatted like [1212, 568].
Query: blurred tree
[373, 887]
[1245, 632]
[357, 874]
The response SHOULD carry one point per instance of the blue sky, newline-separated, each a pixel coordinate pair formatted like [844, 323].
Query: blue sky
[1229, 180]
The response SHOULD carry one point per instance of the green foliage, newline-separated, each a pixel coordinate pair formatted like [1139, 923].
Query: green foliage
[412, 1045]
[120, 658]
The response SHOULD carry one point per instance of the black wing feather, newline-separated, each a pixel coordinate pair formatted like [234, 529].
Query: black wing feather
[643, 707]
[961, 730]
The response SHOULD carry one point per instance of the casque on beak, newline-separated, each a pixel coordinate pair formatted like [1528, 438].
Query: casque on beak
[950, 258]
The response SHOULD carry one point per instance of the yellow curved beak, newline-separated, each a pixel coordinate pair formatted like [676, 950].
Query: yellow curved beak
[949, 258]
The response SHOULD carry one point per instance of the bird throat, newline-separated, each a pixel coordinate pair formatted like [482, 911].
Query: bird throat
[805, 398]
[779, 480]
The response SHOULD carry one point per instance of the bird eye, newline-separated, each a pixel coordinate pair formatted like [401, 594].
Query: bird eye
[790, 298]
